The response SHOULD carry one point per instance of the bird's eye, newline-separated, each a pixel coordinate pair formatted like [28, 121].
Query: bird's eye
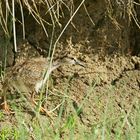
[72, 58]
[75, 59]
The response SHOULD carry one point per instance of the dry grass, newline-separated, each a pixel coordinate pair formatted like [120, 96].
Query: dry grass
[37, 129]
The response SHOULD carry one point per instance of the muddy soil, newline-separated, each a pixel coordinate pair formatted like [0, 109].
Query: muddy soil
[112, 64]
[103, 87]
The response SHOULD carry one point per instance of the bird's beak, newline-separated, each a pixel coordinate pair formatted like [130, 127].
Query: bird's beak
[80, 63]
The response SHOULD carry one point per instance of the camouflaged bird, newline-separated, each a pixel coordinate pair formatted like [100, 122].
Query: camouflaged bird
[32, 74]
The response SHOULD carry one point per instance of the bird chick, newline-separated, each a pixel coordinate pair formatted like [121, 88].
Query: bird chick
[32, 74]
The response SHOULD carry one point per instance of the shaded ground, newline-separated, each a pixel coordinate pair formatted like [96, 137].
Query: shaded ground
[106, 90]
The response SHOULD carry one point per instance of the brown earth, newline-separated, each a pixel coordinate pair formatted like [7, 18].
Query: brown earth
[110, 52]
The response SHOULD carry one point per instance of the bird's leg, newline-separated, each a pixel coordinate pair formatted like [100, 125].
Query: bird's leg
[33, 96]
[5, 106]
[41, 109]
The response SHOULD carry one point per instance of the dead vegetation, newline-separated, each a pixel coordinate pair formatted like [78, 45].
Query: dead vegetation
[98, 100]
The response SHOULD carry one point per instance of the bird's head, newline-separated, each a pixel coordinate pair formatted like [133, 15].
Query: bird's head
[70, 60]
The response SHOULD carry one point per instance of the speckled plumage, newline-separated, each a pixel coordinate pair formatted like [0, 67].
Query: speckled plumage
[30, 73]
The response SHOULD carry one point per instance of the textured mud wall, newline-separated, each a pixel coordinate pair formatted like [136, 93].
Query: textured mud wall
[101, 27]
[135, 34]
[109, 32]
